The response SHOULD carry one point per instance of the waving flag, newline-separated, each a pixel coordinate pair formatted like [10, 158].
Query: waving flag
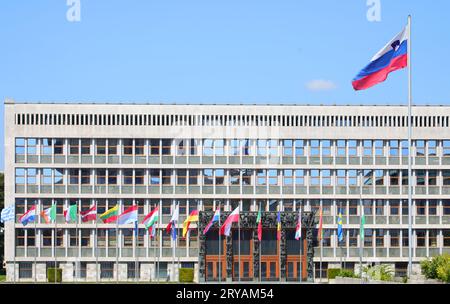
[278, 226]
[70, 214]
[8, 214]
[129, 215]
[193, 217]
[49, 214]
[172, 226]
[215, 218]
[259, 222]
[392, 57]
[150, 221]
[340, 232]
[361, 227]
[232, 218]
[28, 216]
[298, 228]
[89, 215]
[110, 215]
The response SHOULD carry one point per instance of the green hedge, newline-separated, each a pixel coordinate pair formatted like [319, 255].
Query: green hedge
[54, 274]
[333, 273]
[186, 275]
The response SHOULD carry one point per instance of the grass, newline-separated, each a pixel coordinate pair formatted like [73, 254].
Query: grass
[2, 277]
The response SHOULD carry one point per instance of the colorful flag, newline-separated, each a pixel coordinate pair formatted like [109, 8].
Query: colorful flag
[340, 232]
[278, 226]
[150, 220]
[70, 214]
[215, 218]
[193, 217]
[129, 215]
[110, 215]
[8, 214]
[28, 216]
[320, 234]
[172, 225]
[259, 222]
[298, 228]
[392, 57]
[232, 218]
[49, 214]
[89, 215]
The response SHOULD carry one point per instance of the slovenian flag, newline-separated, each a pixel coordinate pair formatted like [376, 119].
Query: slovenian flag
[29, 216]
[129, 215]
[394, 56]
[172, 226]
[232, 218]
[215, 218]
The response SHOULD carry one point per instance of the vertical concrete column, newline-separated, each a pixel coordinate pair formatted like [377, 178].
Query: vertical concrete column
[40, 272]
[92, 272]
[67, 272]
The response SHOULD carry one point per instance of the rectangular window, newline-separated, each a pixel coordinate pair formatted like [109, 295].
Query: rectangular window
[20, 146]
[193, 176]
[394, 207]
[85, 176]
[299, 177]
[314, 177]
[46, 177]
[379, 148]
[220, 177]
[112, 146]
[421, 237]
[393, 148]
[127, 147]
[208, 147]
[315, 145]
[273, 177]
[154, 177]
[166, 146]
[288, 177]
[261, 177]
[85, 146]
[166, 176]
[340, 144]
[352, 148]
[31, 146]
[395, 238]
[367, 145]
[208, 177]
[139, 176]
[288, 147]
[446, 148]
[420, 148]
[100, 146]
[58, 146]
[181, 177]
[154, 147]
[47, 146]
[432, 148]
[299, 147]
[100, 177]
[247, 176]
[261, 147]
[112, 176]
[326, 148]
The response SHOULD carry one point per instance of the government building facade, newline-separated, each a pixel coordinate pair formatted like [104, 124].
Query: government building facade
[273, 158]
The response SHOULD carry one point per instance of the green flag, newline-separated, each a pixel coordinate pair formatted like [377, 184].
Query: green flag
[71, 213]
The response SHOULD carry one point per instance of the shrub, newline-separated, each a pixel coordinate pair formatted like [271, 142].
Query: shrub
[443, 273]
[347, 274]
[54, 274]
[333, 273]
[381, 272]
[430, 267]
[186, 275]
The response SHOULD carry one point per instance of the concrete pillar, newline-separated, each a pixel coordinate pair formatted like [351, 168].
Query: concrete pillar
[67, 272]
[146, 273]
[10, 270]
[92, 272]
[173, 272]
[40, 272]
[122, 273]
[196, 273]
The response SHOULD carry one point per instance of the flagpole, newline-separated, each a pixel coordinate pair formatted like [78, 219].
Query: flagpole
[361, 236]
[136, 252]
[158, 242]
[301, 244]
[96, 243]
[409, 152]
[78, 241]
[339, 242]
[320, 244]
[117, 243]
[260, 253]
[14, 251]
[220, 247]
[279, 246]
[239, 246]
[174, 244]
[56, 239]
[36, 218]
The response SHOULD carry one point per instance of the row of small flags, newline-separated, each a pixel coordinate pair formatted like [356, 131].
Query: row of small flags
[130, 215]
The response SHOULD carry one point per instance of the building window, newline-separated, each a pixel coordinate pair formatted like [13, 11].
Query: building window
[261, 147]
[299, 177]
[166, 176]
[432, 177]
[234, 147]
[193, 176]
[395, 238]
[368, 237]
[432, 238]
[420, 148]
[112, 176]
[288, 147]
[247, 177]
[446, 236]
[420, 207]
[432, 148]
[421, 238]
[85, 146]
[166, 147]
[181, 177]
[31, 146]
[20, 146]
[379, 177]
[353, 148]
[273, 177]
[127, 147]
[20, 176]
[139, 175]
[208, 177]
[353, 207]
[446, 148]
[353, 235]
[261, 178]
[394, 177]
[315, 146]
[100, 146]
[220, 177]
[379, 148]
[208, 147]
[367, 148]
[288, 178]
[299, 147]
[393, 148]
[394, 207]
[85, 176]
[379, 207]
[340, 144]
[112, 146]
[31, 176]
[379, 237]
[314, 177]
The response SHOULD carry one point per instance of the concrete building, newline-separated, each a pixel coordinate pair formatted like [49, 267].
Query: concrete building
[279, 157]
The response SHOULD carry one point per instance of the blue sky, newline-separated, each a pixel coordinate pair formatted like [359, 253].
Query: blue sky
[246, 51]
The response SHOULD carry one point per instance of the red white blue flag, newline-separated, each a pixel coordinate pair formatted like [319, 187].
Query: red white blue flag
[394, 56]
